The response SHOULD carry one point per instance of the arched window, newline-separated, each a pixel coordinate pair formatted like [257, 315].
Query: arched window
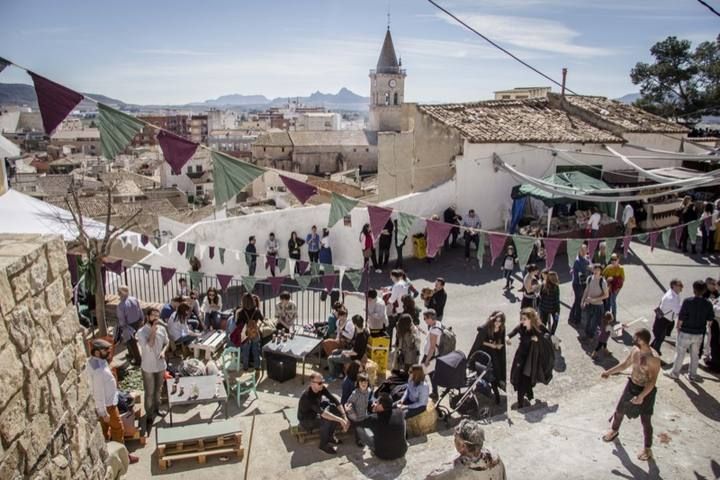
[387, 98]
[396, 99]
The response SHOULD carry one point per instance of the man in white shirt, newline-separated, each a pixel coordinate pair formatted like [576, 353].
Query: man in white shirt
[594, 222]
[470, 236]
[670, 305]
[377, 318]
[628, 219]
[399, 289]
[105, 393]
[153, 341]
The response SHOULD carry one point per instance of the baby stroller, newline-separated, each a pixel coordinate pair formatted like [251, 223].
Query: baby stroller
[395, 386]
[467, 381]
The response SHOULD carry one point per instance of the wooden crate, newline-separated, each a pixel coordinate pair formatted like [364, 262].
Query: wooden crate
[199, 442]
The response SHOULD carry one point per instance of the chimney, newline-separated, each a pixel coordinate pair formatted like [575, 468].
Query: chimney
[564, 77]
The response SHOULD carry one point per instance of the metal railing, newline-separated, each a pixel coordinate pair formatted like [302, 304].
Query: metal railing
[313, 303]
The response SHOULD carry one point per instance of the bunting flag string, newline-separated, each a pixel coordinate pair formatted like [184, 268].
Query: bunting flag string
[653, 240]
[523, 248]
[196, 279]
[181, 247]
[189, 250]
[480, 249]
[231, 176]
[573, 246]
[221, 252]
[302, 266]
[626, 245]
[281, 263]
[329, 281]
[248, 283]
[116, 267]
[405, 221]
[211, 252]
[276, 283]
[642, 237]
[666, 237]
[610, 244]
[144, 240]
[593, 244]
[378, 218]
[300, 190]
[678, 234]
[551, 248]
[315, 268]
[693, 230]
[145, 266]
[497, 242]
[303, 281]
[54, 101]
[339, 207]
[224, 281]
[167, 274]
[437, 232]
[117, 130]
[177, 151]
[355, 277]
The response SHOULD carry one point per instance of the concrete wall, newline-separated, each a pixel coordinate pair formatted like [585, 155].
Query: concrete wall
[42, 360]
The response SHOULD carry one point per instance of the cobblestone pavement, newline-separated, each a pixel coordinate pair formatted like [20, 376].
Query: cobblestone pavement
[558, 437]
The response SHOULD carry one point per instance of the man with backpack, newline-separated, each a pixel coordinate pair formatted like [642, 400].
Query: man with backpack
[440, 341]
[593, 301]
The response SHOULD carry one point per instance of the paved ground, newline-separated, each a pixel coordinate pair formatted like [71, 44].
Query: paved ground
[559, 437]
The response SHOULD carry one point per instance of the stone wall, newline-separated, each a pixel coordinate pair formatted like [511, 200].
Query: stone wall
[48, 425]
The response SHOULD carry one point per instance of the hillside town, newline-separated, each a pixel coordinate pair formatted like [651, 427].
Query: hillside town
[361, 285]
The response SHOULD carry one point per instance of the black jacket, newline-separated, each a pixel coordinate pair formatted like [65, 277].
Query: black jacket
[695, 313]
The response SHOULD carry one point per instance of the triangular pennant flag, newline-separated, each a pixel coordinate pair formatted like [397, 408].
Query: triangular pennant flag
[592, 246]
[626, 244]
[480, 249]
[523, 247]
[437, 232]
[378, 218]
[145, 266]
[666, 237]
[176, 150]
[144, 240]
[303, 281]
[156, 242]
[196, 279]
[55, 101]
[328, 267]
[405, 221]
[211, 252]
[231, 176]
[610, 244]
[329, 281]
[3, 64]
[302, 266]
[223, 280]
[181, 247]
[497, 242]
[573, 246]
[166, 274]
[314, 268]
[693, 230]
[248, 283]
[678, 234]
[653, 240]
[189, 250]
[339, 207]
[115, 267]
[551, 248]
[642, 237]
[281, 264]
[276, 283]
[355, 277]
[301, 190]
[117, 130]
[221, 252]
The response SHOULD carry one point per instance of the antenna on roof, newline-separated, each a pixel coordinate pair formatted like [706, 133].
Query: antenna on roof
[388, 15]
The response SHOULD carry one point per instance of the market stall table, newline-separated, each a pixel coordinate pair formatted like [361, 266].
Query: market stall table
[298, 347]
[210, 390]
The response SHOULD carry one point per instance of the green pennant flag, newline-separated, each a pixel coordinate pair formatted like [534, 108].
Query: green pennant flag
[573, 245]
[666, 237]
[693, 230]
[642, 237]
[328, 267]
[405, 221]
[523, 247]
[249, 283]
[281, 264]
[355, 277]
[610, 244]
[221, 252]
[196, 279]
[117, 130]
[146, 266]
[339, 207]
[303, 281]
[481, 249]
[315, 268]
[189, 250]
[231, 176]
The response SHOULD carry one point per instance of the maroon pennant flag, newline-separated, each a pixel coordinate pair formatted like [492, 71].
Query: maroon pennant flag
[224, 280]
[329, 281]
[678, 233]
[211, 252]
[653, 240]
[626, 244]
[144, 240]
[378, 218]
[592, 246]
[301, 190]
[497, 242]
[181, 248]
[551, 248]
[276, 283]
[55, 101]
[176, 150]
[166, 274]
[115, 267]
[437, 232]
[302, 265]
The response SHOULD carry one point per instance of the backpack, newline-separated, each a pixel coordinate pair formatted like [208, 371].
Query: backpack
[447, 341]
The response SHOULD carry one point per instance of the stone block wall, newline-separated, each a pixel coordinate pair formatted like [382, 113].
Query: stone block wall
[48, 425]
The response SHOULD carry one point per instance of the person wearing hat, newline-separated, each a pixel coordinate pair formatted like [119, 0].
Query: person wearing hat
[474, 460]
[105, 393]
[614, 273]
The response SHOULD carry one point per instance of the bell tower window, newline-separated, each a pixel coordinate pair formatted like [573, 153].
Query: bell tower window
[395, 99]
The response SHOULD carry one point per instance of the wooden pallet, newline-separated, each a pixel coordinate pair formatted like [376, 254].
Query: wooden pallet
[200, 448]
[300, 433]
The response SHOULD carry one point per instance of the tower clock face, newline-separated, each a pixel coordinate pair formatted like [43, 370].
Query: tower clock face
[392, 83]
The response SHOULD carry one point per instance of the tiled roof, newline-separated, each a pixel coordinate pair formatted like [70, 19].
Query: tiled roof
[274, 139]
[141, 181]
[86, 134]
[627, 117]
[331, 138]
[512, 121]
[126, 188]
[54, 184]
[94, 206]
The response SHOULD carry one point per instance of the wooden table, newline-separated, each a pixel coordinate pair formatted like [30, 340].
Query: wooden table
[299, 347]
[211, 390]
[198, 441]
[208, 342]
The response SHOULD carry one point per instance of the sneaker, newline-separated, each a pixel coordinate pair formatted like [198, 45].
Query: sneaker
[671, 375]
[133, 459]
[695, 378]
[335, 440]
[329, 449]
[378, 270]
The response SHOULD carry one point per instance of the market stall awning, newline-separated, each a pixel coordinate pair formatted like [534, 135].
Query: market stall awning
[573, 179]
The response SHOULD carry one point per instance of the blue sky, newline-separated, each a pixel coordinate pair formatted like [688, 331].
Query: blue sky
[180, 51]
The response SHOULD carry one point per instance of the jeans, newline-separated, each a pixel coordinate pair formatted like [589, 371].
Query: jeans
[212, 320]
[470, 238]
[593, 315]
[550, 320]
[252, 266]
[113, 429]
[326, 427]
[576, 310]
[366, 437]
[414, 412]
[250, 346]
[336, 362]
[383, 255]
[508, 274]
[612, 304]
[152, 384]
[687, 341]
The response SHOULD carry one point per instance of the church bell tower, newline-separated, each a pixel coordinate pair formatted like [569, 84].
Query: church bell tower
[387, 89]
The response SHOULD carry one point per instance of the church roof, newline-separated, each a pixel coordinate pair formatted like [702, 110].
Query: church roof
[388, 62]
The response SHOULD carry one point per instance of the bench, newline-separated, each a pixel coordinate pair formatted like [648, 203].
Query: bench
[209, 344]
[198, 441]
[299, 432]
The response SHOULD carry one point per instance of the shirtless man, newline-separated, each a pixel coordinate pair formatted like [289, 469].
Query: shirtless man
[638, 398]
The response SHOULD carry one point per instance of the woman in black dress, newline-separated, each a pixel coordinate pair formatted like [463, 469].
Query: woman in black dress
[523, 374]
[491, 340]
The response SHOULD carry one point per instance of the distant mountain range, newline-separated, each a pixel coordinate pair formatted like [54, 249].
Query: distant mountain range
[22, 94]
[629, 98]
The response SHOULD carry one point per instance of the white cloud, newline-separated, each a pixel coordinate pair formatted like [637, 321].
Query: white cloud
[529, 33]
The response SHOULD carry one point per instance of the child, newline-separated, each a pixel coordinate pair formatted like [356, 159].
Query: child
[359, 401]
[604, 331]
[509, 266]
